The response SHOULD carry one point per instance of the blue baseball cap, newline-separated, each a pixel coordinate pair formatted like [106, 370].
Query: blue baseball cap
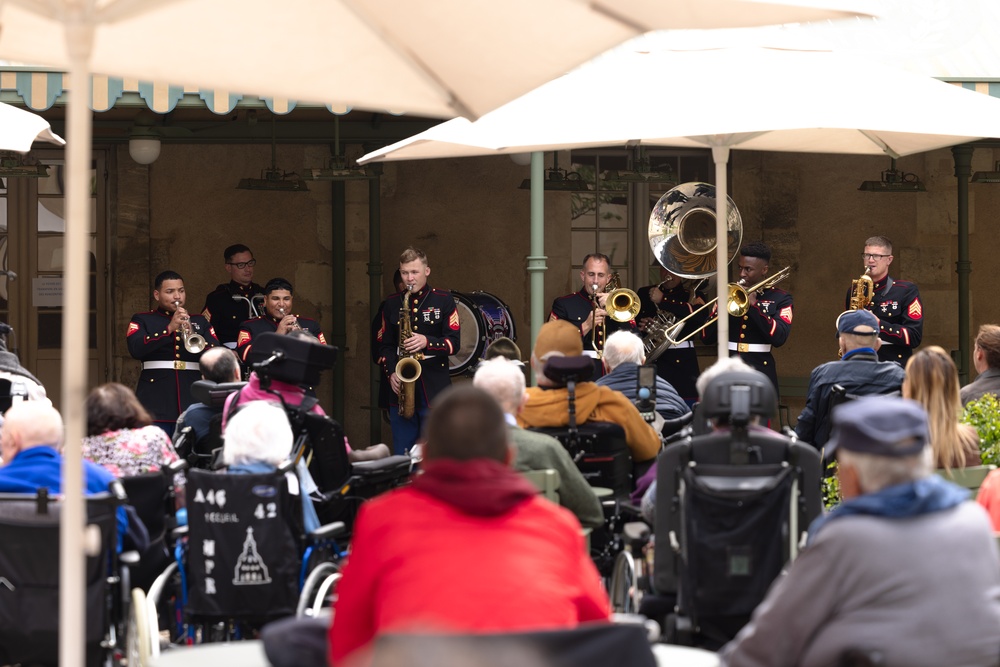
[881, 425]
[860, 322]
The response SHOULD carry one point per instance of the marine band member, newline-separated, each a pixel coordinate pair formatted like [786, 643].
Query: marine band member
[278, 317]
[156, 339]
[226, 306]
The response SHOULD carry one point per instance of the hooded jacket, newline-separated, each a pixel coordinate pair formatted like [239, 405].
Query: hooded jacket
[549, 407]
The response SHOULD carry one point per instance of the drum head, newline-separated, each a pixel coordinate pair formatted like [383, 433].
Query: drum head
[483, 318]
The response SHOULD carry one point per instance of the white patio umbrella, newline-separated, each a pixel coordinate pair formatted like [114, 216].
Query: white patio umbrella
[472, 56]
[19, 129]
[747, 98]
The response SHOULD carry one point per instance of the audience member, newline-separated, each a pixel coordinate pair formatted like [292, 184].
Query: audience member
[989, 497]
[30, 444]
[548, 403]
[986, 359]
[503, 379]
[469, 546]
[858, 371]
[932, 381]
[623, 354]
[903, 566]
[258, 439]
[120, 433]
[503, 347]
[221, 366]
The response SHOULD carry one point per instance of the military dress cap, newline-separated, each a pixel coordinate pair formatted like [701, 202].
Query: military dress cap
[881, 425]
[860, 322]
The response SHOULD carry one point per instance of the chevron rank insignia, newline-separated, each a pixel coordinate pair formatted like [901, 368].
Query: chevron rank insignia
[915, 311]
[786, 314]
[453, 321]
[132, 328]
[243, 338]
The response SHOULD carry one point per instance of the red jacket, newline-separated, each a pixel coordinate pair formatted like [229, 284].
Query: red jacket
[419, 564]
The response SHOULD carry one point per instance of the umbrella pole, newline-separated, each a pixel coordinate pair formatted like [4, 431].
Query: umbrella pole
[72, 606]
[536, 257]
[721, 156]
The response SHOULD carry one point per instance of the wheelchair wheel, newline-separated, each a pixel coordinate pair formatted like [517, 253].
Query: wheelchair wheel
[138, 639]
[622, 590]
[317, 588]
[154, 599]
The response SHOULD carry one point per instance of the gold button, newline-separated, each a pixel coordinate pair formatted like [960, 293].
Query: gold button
[765, 363]
[744, 326]
[743, 335]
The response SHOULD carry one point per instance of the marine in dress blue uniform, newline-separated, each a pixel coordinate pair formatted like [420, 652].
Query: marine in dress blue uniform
[277, 318]
[225, 312]
[578, 308]
[678, 364]
[768, 321]
[434, 322]
[168, 369]
[896, 304]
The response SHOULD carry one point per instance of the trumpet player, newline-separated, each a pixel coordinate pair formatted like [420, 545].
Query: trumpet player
[896, 304]
[767, 322]
[587, 308]
[278, 317]
[434, 327]
[163, 340]
[678, 365]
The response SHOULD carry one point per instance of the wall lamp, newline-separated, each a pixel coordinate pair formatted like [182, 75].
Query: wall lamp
[894, 180]
[987, 176]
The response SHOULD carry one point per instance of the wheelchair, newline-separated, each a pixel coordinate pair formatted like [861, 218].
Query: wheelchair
[242, 561]
[732, 508]
[29, 585]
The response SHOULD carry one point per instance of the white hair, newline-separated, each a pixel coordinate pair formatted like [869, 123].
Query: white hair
[622, 347]
[258, 433]
[34, 423]
[879, 472]
[723, 365]
[502, 379]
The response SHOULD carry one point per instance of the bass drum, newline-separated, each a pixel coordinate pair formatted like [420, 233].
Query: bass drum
[483, 318]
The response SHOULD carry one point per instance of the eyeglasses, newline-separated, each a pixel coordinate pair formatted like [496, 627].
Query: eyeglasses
[871, 255]
[243, 265]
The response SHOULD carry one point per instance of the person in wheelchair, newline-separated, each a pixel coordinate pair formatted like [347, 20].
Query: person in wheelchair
[221, 366]
[30, 445]
[258, 439]
[469, 546]
[904, 565]
[547, 403]
[623, 354]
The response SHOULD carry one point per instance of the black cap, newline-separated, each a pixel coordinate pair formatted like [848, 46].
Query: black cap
[880, 425]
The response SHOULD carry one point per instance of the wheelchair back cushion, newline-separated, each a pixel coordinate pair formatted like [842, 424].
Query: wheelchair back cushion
[242, 553]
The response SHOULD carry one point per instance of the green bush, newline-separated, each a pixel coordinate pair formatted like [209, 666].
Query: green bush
[984, 415]
[831, 487]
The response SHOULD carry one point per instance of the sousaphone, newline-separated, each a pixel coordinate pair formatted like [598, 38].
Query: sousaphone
[682, 230]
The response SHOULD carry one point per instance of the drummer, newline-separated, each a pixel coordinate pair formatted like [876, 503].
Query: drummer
[677, 364]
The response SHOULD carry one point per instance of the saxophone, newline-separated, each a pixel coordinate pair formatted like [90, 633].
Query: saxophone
[408, 367]
[862, 291]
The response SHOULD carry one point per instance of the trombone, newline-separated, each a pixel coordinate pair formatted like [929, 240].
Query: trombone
[737, 304]
[622, 305]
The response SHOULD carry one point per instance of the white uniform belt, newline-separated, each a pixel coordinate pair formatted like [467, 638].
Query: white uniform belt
[750, 347]
[681, 346]
[176, 365]
[231, 344]
[590, 353]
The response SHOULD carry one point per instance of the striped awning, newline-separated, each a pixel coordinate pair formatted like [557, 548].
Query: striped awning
[41, 89]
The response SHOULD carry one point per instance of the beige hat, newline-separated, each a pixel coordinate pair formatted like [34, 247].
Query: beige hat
[558, 336]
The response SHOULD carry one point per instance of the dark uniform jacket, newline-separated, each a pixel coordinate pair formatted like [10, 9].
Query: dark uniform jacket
[576, 308]
[433, 314]
[860, 373]
[901, 318]
[226, 313]
[767, 323]
[267, 324]
[677, 365]
[165, 392]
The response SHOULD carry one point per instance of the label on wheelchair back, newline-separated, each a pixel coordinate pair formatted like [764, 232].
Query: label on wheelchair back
[241, 555]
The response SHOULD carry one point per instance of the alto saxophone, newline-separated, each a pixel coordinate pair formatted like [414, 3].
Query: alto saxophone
[408, 367]
[862, 291]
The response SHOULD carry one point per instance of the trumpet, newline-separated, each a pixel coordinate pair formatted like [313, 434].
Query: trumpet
[193, 342]
[862, 291]
[737, 304]
[295, 324]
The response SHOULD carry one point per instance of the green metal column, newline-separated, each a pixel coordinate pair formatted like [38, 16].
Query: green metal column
[963, 169]
[339, 199]
[536, 260]
[374, 289]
